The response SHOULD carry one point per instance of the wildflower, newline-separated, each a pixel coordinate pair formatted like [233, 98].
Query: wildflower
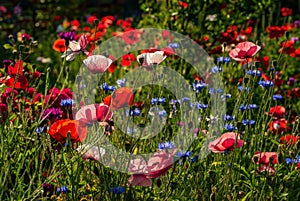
[215, 91]
[216, 69]
[266, 83]
[225, 96]
[173, 45]
[230, 127]
[68, 36]
[62, 189]
[127, 59]
[162, 113]
[106, 87]
[95, 112]
[67, 102]
[166, 145]
[121, 83]
[241, 88]
[59, 45]
[286, 11]
[97, 63]
[25, 37]
[278, 126]
[75, 48]
[149, 58]
[223, 59]
[229, 118]
[228, 141]
[59, 130]
[277, 111]
[52, 113]
[265, 158]
[157, 165]
[131, 36]
[117, 190]
[243, 51]
[198, 86]
[289, 161]
[161, 100]
[184, 154]
[277, 97]
[134, 112]
[289, 139]
[252, 106]
[200, 106]
[254, 72]
[248, 122]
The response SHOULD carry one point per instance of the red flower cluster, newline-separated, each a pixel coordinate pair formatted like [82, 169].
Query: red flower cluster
[286, 11]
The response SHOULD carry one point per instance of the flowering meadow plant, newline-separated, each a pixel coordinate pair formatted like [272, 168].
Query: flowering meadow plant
[95, 106]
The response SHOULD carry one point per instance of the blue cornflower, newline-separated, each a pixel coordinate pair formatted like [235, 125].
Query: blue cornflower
[162, 113]
[200, 106]
[67, 102]
[121, 83]
[166, 145]
[243, 107]
[227, 60]
[184, 154]
[133, 112]
[252, 106]
[161, 100]
[297, 159]
[117, 190]
[229, 118]
[223, 59]
[289, 161]
[216, 69]
[277, 97]
[264, 83]
[215, 91]
[225, 96]
[173, 102]
[241, 88]
[272, 69]
[153, 101]
[62, 189]
[39, 130]
[254, 72]
[105, 87]
[230, 127]
[194, 159]
[248, 122]
[173, 45]
[185, 99]
[198, 86]
[130, 131]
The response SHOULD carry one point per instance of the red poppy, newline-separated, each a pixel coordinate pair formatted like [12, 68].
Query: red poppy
[59, 130]
[122, 97]
[131, 36]
[14, 70]
[75, 23]
[59, 45]
[247, 31]
[107, 20]
[278, 126]
[277, 111]
[286, 12]
[91, 19]
[125, 24]
[21, 83]
[95, 112]
[289, 139]
[183, 4]
[276, 31]
[230, 35]
[243, 51]
[127, 59]
[228, 141]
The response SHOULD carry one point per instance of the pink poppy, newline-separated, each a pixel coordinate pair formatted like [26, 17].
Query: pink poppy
[244, 50]
[266, 168]
[158, 165]
[147, 59]
[226, 142]
[265, 158]
[139, 180]
[97, 63]
[91, 113]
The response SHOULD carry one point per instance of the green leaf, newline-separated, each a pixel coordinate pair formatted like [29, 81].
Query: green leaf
[7, 46]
